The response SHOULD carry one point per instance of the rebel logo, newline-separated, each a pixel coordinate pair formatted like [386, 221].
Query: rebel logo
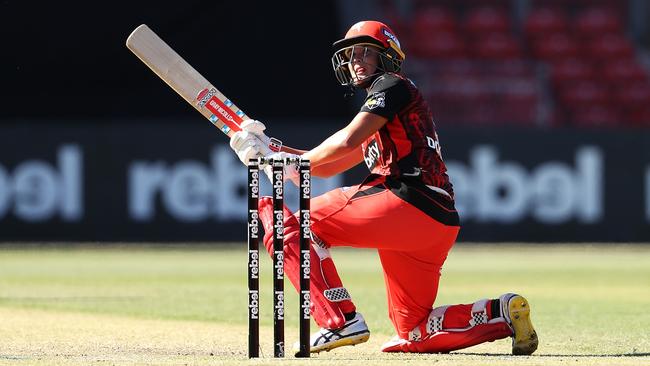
[554, 192]
[279, 265]
[254, 263]
[253, 304]
[253, 223]
[305, 184]
[306, 299]
[278, 225]
[254, 183]
[278, 185]
[306, 264]
[279, 305]
[305, 221]
[38, 191]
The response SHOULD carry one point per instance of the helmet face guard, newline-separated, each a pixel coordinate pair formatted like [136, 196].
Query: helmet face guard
[373, 37]
[343, 69]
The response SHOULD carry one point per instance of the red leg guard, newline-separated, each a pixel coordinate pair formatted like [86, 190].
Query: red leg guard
[448, 328]
[447, 341]
[326, 313]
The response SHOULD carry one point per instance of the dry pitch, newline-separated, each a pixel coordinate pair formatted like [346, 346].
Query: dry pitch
[180, 306]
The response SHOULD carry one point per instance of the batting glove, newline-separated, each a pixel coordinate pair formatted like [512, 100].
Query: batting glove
[257, 128]
[291, 172]
[248, 146]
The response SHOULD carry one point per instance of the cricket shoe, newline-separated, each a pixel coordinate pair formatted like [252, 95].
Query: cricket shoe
[517, 312]
[353, 332]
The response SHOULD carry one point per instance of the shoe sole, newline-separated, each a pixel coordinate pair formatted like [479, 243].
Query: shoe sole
[525, 340]
[347, 341]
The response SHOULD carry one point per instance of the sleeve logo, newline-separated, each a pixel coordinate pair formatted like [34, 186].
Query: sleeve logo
[376, 100]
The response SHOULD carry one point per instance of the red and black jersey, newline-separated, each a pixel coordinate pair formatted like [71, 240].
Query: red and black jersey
[407, 146]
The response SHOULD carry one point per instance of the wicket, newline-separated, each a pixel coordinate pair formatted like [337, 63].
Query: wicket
[254, 167]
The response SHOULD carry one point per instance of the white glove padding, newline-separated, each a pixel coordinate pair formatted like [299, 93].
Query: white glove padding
[248, 146]
[257, 128]
[291, 172]
[253, 126]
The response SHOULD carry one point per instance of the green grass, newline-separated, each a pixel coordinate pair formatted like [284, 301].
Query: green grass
[124, 306]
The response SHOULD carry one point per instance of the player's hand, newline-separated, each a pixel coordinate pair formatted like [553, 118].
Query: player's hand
[291, 172]
[257, 128]
[248, 146]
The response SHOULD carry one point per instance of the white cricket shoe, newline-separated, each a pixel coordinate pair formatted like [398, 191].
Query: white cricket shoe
[353, 332]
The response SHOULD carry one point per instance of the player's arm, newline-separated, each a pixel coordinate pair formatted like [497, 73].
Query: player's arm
[386, 97]
[333, 167]
[342, 150]
[346, 142]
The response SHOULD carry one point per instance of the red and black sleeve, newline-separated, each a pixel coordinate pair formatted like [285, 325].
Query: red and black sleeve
[387, 96]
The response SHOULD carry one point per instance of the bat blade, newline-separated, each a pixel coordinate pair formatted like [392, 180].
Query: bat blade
[185, 80]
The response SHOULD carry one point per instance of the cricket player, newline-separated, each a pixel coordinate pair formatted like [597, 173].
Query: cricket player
[404, 209]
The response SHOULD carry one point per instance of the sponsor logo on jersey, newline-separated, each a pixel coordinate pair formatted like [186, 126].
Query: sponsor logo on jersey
[376, 100]
[434, 143]
[371, 154]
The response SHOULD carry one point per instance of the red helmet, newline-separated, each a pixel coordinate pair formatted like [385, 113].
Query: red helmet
[372, 33]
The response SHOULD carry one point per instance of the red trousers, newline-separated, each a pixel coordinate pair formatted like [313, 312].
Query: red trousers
[412, 245]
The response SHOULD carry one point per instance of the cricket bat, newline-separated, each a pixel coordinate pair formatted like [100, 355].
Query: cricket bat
[185, 80]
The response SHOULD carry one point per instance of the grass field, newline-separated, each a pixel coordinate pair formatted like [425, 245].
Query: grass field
[179, 306]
